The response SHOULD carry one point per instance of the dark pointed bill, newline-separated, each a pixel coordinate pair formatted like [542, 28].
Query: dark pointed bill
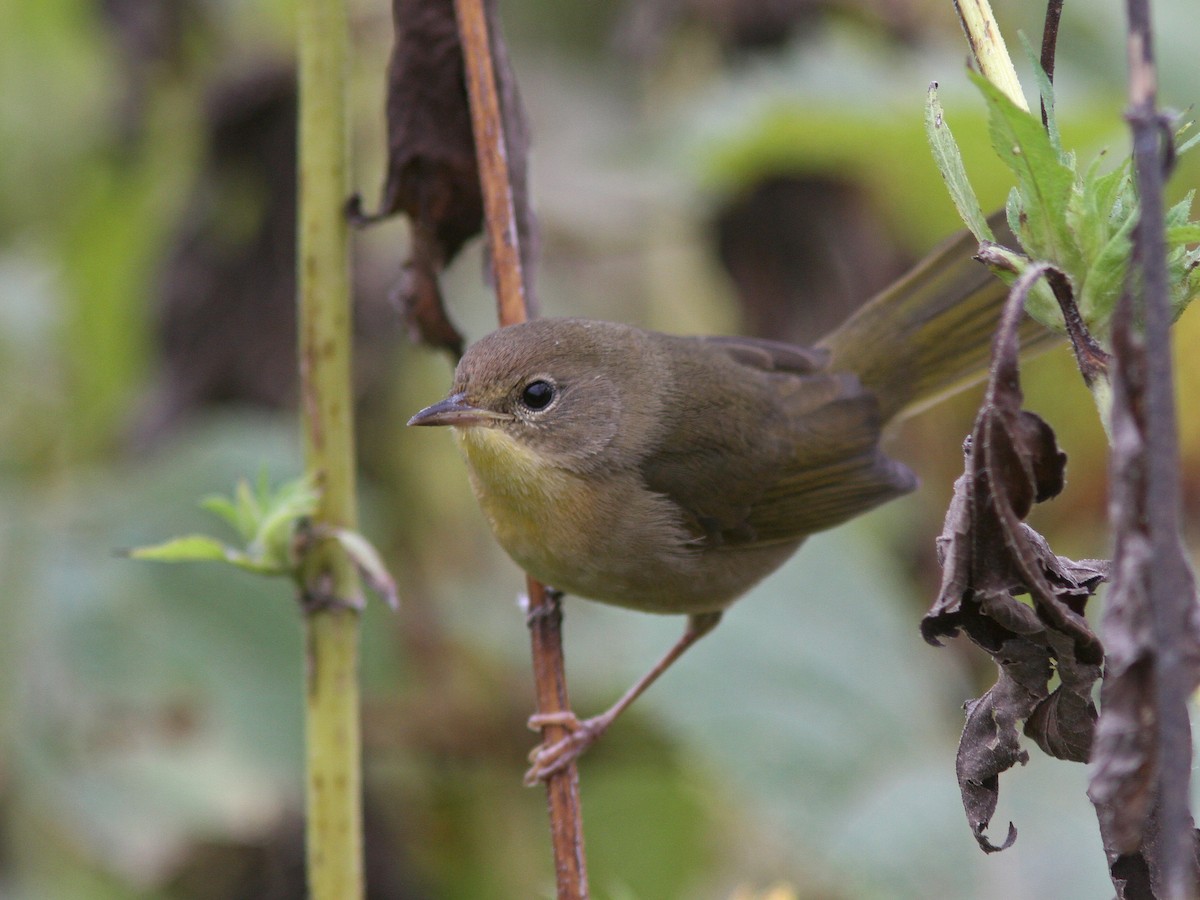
[454, 410]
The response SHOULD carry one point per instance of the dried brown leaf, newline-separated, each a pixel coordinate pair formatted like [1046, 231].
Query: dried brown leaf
[990, 556]
[432, 173]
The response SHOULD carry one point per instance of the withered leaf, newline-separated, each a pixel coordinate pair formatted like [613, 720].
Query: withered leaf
[989, 557]
[1139, 875]
[432, 173]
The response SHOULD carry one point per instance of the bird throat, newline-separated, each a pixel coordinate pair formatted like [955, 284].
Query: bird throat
[521, 493]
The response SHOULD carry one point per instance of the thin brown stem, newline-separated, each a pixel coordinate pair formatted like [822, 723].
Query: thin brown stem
[562, 789]
[1049, 45]
[550, 758]
[492, 154]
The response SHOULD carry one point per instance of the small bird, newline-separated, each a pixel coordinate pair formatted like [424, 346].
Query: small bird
[671, 474]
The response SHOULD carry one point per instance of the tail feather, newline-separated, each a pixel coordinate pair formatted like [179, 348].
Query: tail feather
[928, 334]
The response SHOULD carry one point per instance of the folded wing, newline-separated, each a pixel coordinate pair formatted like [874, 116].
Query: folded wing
[799, 454]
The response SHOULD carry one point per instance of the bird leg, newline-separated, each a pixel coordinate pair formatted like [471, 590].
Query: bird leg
[547, 760]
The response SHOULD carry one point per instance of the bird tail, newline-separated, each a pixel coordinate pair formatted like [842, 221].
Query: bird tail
[930, 333]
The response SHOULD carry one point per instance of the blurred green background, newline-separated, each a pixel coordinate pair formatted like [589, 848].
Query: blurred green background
[698, 166]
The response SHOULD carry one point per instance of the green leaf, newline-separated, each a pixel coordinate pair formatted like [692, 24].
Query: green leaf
[1108, 197]
[1040, 302]
[949, 162]
[1046, 89]
[264, 519]
[1044, 181]
[1184, 234]
[190, 548]
[294, 500]
[1189, 143]
[1105, 277]
[225, 508]
[1182, 261]
[202, 548]
[248, 509]
[1178, 214]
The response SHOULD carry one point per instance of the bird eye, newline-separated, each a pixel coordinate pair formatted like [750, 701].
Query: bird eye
[537, 394]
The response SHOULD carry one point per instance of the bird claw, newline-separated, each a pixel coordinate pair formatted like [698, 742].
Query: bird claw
[549, 760]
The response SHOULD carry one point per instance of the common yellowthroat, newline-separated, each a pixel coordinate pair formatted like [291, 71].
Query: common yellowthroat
[670, 474]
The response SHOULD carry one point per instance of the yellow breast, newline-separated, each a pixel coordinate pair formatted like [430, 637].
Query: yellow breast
[605, 537]
[541, 514]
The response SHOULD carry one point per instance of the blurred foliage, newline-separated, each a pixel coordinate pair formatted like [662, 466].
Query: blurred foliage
[150, 715]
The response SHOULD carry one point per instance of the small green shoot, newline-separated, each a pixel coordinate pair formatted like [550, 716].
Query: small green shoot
[1081, 221]
[272, 524]
[265, 519]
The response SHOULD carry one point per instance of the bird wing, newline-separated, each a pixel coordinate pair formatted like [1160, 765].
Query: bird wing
[798, 453]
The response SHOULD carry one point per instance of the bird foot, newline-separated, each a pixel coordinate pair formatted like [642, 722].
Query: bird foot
[549, 759]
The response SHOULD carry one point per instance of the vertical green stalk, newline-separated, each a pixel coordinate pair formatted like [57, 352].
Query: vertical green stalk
[332, 594]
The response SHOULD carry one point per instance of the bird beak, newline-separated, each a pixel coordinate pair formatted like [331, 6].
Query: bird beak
[454, 410]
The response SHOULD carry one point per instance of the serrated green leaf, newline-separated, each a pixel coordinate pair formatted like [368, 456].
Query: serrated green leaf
[1183, 258]
[294, 500]
[264, 518]
[949, 162]
[1109, 196]
[224, 507]
[1012, 211]
[1045, 183]
[1080, 218]
[1105, 278]
[1181, 212]
[1102, 223]
[1040, 303]
[189, 548]
[1185, 294]
[1183, 234]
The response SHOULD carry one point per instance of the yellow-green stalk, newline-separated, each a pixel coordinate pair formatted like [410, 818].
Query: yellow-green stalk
[332, 593]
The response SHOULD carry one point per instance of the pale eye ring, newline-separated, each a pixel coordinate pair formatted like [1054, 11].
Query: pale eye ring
[538, 394]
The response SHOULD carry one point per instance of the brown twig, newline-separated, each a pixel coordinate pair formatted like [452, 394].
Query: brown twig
[492, 153]
[1049, 44]
[1091, 358]
[545, 618]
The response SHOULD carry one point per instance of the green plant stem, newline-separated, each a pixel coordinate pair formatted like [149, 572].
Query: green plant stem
[334, 808]
[331, 593]
[988, 48]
